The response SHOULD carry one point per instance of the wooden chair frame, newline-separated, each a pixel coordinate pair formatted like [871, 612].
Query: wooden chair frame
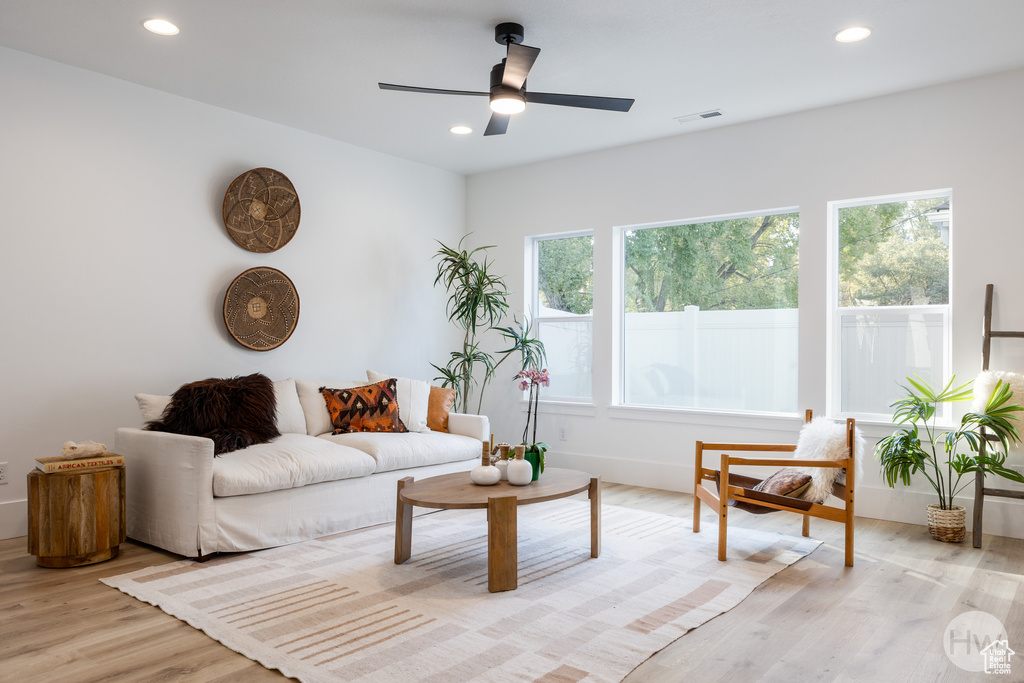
[737, 489]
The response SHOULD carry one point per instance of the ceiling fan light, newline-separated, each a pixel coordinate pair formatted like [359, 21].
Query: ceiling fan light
[508, 104]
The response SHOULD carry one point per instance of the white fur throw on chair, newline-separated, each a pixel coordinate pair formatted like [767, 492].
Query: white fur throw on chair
[825, 439]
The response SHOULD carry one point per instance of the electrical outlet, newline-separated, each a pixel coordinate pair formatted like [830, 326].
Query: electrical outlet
[561, 433]
[3, 473]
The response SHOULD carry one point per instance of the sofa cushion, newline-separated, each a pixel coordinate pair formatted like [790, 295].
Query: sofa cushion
[314, 408]
[411, 449]
[413, 396]
[290, 416]
[369, 408]
[152, 406]
[289, 461]
[234, 413]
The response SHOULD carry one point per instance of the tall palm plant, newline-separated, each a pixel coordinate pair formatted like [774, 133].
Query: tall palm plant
[478, 302]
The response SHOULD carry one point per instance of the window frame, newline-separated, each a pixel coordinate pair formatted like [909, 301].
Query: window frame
[534, 309]
[834, 314]
[619, 319]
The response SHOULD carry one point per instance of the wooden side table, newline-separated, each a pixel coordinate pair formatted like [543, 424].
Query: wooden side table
[76, 518]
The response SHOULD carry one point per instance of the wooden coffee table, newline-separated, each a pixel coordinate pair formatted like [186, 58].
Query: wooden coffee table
[457, 492]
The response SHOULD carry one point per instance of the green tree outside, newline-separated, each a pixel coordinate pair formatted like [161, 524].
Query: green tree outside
[566, 274]
[893, 254]
[735, 264]
[890, 254]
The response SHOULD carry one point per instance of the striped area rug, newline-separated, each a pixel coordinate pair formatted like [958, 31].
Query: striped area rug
[339, 609]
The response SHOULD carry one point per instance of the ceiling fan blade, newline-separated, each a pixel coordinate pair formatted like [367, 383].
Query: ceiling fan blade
[431, 91]
[518, 63]
[583, 101]
[498, 124]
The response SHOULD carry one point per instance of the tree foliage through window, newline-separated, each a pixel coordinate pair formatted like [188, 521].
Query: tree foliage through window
[894, 254]
[734, 264]
[565, 272]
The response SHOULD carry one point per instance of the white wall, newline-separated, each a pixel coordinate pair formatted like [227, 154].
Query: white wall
[966, 136]
[115, 259]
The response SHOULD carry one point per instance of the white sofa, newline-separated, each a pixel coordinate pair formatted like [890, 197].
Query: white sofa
[304, 484]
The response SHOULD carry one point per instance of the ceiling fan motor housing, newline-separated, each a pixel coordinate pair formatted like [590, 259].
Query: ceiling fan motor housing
[509, 32]
[498, 89]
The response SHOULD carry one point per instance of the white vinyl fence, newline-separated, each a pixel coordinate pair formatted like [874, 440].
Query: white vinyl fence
[748, 360]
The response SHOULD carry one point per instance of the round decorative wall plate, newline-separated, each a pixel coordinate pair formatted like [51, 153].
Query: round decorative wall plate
[261, 210]
[261, 308]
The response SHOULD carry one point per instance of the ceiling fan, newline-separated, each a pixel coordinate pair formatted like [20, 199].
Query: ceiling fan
[508, 94]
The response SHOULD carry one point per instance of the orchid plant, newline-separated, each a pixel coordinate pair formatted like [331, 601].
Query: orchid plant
[532, 379]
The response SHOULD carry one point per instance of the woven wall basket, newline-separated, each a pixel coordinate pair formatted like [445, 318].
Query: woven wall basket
[261, 308]
[947, 525]
[261, 210]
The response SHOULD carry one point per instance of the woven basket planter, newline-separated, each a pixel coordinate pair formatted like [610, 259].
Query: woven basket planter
[947, 525]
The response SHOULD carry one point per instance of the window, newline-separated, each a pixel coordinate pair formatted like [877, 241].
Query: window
[564, 305]
[890, 299]
[710, 315]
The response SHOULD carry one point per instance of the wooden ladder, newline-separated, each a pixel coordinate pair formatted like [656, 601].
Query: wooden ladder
[980, 490]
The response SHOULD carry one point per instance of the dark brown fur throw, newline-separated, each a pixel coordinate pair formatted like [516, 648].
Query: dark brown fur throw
[234, 413]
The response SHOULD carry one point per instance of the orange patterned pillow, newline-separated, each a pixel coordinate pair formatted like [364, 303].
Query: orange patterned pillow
[439, 404]
[371, 408]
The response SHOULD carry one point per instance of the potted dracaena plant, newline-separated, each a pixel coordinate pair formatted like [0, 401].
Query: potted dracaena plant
[978, 444]
[478, 302]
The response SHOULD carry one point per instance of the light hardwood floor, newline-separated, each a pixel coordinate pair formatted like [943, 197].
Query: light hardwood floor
[881, 620]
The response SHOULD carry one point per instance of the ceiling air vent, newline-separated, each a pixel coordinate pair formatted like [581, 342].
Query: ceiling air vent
[697, 117]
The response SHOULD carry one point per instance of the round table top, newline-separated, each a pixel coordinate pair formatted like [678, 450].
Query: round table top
[457, 492]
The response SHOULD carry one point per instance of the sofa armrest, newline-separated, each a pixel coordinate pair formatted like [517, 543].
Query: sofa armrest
[476, 426]
[169, 489]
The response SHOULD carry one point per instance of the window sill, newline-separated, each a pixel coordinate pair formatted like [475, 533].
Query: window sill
[578, 408]
[706, 417]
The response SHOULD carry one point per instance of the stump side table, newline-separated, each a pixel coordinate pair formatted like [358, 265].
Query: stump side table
[76, 518]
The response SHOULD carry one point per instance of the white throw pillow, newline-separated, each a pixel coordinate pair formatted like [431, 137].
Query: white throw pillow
[290, 418]
[152, 406]
[314, 407]
[413, 397]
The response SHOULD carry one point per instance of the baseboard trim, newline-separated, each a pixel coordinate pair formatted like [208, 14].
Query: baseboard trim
[13, 519]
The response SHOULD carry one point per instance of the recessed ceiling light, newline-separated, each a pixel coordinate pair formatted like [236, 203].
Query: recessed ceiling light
[461, 130]
[161, 27]
[853, 34]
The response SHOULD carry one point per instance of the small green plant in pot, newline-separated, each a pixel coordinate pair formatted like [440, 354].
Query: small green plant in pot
[944, 457]
[533, 380]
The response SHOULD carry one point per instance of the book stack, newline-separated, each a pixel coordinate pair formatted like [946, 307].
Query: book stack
[63, 463]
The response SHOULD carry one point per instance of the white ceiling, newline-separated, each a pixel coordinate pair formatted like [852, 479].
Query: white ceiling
[314, 64]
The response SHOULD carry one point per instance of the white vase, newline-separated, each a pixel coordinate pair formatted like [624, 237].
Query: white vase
[485, 475]
[502, 466]
[520, 472]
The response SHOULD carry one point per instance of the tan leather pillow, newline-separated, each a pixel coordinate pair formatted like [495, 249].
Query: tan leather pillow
[786, 482]
[439, 404]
